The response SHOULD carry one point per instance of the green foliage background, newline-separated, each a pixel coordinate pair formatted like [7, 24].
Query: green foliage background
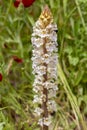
[16, 95]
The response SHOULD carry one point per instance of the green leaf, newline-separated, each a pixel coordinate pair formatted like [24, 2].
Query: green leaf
[73, 60]
[79, 77]
[68, 50]
[1, 125]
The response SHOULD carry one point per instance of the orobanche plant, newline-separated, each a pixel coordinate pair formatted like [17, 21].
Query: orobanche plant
[45, 58]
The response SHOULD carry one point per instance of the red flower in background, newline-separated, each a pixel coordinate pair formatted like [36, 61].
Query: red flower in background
[1, 77]
[16, 3]
[17, 59]
[26, 3]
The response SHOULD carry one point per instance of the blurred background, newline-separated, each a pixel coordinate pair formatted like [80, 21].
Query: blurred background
[16, 78]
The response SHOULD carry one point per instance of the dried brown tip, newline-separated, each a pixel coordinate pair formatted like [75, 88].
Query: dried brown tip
[46, 16]
[46, 10]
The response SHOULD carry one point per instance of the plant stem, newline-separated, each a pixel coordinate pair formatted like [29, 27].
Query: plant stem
[45, 114]
[45, 91]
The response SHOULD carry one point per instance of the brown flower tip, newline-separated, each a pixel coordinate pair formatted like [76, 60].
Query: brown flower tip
[1, 77]
[17, 59]
[46, 16]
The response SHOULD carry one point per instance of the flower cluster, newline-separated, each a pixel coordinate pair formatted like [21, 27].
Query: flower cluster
[44, 41]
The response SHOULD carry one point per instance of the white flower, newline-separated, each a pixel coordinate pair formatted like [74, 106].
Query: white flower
[52, 27]
[37, 42]
[37, 88]
[51, 47]
[41, 122]
[37, 53]
[52, 75]
[54, 58]
[52, 64]
[55, 87]
[38, 111]
[49, 85]
[51, 93]
[51, 106]
[37, 99]
[39, 78]
[37, 82]
[50, 70]
[40, 34]
[45, 121]
[53, 36]
[36, 61]
[37, 25]
[41, 70]
[46, 58]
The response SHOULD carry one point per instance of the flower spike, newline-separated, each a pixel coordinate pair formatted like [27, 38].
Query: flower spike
[44, 64]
